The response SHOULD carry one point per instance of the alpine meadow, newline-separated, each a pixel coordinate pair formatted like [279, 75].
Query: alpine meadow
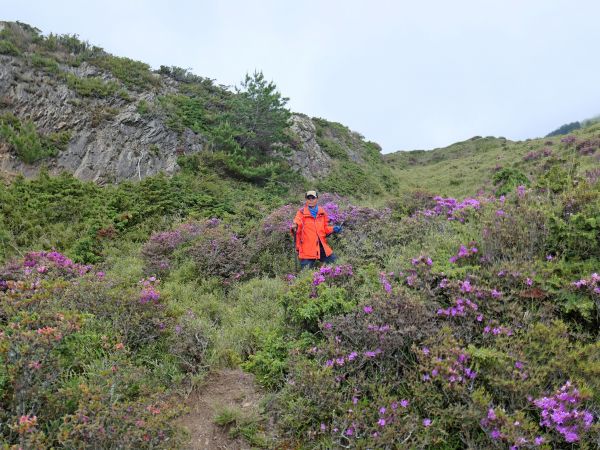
[150, 293]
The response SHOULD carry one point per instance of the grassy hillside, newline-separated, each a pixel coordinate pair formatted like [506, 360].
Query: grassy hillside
[447, 323]
[466, 167]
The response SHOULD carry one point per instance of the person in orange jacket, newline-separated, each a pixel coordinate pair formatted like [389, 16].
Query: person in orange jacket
[310, 230]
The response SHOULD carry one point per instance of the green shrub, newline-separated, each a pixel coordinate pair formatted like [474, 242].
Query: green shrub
[555, 180]
[515, 231]
[508, 179]
[91, 87]
[8, 48]
[575, 231]
[50, 65]
[134, 74]
[27, 142]
[269, 364]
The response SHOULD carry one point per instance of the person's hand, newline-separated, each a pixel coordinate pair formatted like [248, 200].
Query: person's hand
[337, 229]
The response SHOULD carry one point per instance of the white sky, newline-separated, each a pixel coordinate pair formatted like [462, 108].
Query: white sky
[405, 74]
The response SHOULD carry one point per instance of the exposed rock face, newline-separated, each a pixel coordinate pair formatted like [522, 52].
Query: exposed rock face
[310, 160]
[110, 140]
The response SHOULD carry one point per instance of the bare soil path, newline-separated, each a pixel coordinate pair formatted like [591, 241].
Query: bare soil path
[229, 388]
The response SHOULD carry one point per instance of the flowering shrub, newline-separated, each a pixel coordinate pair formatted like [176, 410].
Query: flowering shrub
[562, 412]
[271, 244]
[450, 369]
[63, 382]
[568, 140]
[329, 273]
[518, 234]
[39, 265]
[465, 253]
[587, 146]
[157, 252]
[219, 252]
[535, 155]
[590, 284]
[516, 430]
[452, 208]
[382, 331]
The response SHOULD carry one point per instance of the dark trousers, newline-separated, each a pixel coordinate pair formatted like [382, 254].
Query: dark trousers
[310, 263]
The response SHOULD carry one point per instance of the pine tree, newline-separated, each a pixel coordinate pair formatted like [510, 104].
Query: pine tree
[259, 115]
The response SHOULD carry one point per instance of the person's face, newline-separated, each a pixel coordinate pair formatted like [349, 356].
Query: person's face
[311, 201]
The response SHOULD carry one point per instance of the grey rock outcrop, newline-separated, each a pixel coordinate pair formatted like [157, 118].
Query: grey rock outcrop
[309, 158]
[125, 135]
[110, 141]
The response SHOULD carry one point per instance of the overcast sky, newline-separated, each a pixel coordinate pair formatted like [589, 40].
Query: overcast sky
[405, 74]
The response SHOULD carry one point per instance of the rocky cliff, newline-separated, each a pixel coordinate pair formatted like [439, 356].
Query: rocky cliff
[117, 129]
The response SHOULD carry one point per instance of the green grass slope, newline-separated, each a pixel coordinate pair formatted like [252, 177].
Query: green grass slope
[464, 168]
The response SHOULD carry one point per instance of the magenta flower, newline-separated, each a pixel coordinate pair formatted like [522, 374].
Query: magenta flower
[381, 422]
[426, 422]
[368, 309]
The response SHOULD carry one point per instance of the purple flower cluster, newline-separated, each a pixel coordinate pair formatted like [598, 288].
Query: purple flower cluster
[534, 155]
[453, 369]
[383, 279]
[465, 252]
[452, 208]
[161, 245]
[562, 413]
[280, 220]
[41, 262]
[328, 273]
[497, 330]
[460, 308]
[290, 277]
[568, 140]
[149, 292]
[339, 210]
[588, 146]
[387, 415]
[350, 357]
[593, 175]
[591, 284]
[505, 429]
[422, 260]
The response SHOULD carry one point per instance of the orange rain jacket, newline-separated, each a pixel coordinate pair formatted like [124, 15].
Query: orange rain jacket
[310, 231]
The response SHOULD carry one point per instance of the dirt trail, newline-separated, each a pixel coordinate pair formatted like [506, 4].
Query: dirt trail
[222, 389]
